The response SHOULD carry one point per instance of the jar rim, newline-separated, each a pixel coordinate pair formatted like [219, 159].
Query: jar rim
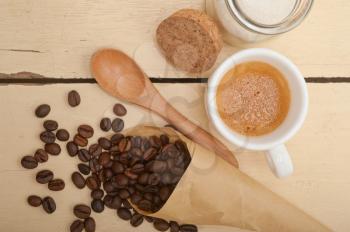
[297, 15]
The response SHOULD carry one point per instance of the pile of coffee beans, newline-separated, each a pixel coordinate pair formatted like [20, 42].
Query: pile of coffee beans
[118, 170]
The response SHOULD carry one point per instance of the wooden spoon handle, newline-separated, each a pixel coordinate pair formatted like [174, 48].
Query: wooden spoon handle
[189, 129]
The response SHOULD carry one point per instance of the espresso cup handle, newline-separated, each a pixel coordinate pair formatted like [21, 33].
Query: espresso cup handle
[279, 161]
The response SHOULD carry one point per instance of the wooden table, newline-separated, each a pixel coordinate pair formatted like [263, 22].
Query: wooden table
[45, 48]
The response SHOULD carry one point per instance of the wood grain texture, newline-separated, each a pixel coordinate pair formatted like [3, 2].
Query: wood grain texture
[56, 38]
[320, 184]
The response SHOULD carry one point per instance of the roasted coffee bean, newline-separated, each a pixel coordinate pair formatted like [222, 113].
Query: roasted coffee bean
[119, 110]
[127, 204]
[97, 194]
[42, 110]
[92, 183]
[117, 167]
[90, 224]
[170, 150]
[124, 158]
[62, 135]
[177, 171]
[157, 201]
[121, 180]
[29, 162]
[149, 219]
[107, 200]
[151, 189]
[136, 142]
[56, 185]
[49, 205]
[97, 205]
[104, 143]
[164, 139]
[117, 125]
[123, 194]
[154, 179]
[82, 211]
[124, 213]
[84, 169]
[50, 125]
[80, 140]
[145, 205]
[95, 150]
[73, 98]
[72, 149]
[104, 159]
[150, 154]
[94, 165]
[41, 156]
[34, 200]
[138, 168]
[53, 148]
[157, 166]
[77, 226]
[107, 174]
[130, 174]
[155, 142]
[85, 131]
[135, 198]
[164, 193]
[148, 196]
[160, 224]
[166, 178]
[84, 155]
[145, 145]
[143, 178]
[116, 138]
[124, 145]
[136, 220]
[174, 226]
[105, 124]
[44, 176]
[136, 152]
[108, 186]
[78, 180]
[188, 228]
[47, 137]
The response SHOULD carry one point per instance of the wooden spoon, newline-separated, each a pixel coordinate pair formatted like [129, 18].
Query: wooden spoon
[121, 77]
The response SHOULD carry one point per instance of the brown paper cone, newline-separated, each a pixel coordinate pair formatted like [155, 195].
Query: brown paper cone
[211, 192]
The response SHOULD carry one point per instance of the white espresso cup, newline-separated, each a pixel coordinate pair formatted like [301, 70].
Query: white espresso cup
[272, 143]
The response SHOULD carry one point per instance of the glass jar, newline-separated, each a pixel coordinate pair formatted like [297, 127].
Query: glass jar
[254, 20]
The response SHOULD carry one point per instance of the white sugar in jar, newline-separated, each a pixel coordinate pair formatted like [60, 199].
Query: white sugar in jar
[254, 20]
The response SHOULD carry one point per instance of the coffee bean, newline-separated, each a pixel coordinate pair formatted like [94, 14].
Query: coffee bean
[44, 176]
[136, 220]
[150, 154]
[127, 204]
[160, 224]
[49, 205]
[107, 174]
[29, 162]
[47, 137]
[145, 205]
[174, 226]
[94, 165]
[84, 155]
[104, 143]
[117, 167]
[90, 224]
[50, 125]
[41, 156]
[166, 178]
[155, 142]
[124, 145]
[130, 174]
[119, 110]
[72, 149]
[164, 193]
[138, 168]
[53, 148]
[80, 140]
[105, 124]
[135, 198]
[170, 150]
[124, 213]
[78, 180]
[56, 185]
[97, 205]
[92, 183]
[85, 131]
[143, 178]
[116, 202]
[95, 150]
[84, 169]
[157, 166]
[62, 135]
[117, 125]
[42, 110]
[124, 194]
[73, 98]
[116, 138]
[121, 179]
[148, 196]
[145, 145]
[188, 228]
[154, 179]
[97, 194]
[104, 159]
[34, 200]
[164, 139]
[149, 219]
[77, 226]
[82, 211]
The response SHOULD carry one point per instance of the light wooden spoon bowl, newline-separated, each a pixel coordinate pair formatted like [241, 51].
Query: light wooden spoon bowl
[120, 76]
